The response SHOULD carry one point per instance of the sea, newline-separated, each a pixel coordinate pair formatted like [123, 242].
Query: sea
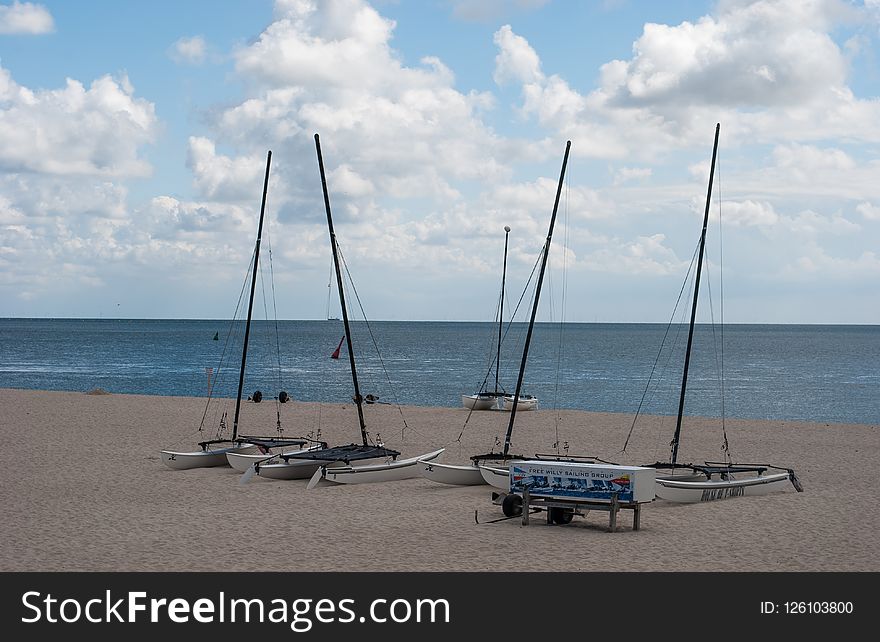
[819, 373]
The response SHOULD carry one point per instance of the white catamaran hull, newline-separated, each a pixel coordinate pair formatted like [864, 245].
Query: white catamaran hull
[242, 461]
[372, 473]
[479, 402]
[524, 403]
[707, 490]
[202, 458]
[451, 474]
[496, 477]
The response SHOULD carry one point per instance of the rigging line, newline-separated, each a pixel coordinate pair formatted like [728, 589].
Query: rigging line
[715, 342]
[225, 346]
[278, 427]
[373, 338]
[660, 351]
[721, 285]
[565, 241]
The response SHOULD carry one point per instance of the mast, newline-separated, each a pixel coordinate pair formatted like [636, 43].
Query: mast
[501, 310]
[357, 393]
[247, 327]
[522, 367]
[687, 356]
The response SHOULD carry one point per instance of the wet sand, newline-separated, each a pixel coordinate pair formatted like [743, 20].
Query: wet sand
[84, 489]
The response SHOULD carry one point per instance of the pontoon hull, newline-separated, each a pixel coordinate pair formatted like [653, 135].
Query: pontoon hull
[496, 477]
[692, 492]
[524, 403]
[242, 461]
[202, 458]
[479, 402]
[373, 473]
[452, 474]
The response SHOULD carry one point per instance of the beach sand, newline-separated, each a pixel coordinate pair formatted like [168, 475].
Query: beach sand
[84, 490]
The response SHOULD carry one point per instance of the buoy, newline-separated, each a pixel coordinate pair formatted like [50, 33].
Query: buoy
[283, 397]
[258, 397]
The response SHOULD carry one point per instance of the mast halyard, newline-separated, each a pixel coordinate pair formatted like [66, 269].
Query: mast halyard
[247, 327]
[687, 357]
[501, 309]
[522, 367]
[357, 393]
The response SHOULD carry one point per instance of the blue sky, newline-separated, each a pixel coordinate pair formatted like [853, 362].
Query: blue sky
[133, 139]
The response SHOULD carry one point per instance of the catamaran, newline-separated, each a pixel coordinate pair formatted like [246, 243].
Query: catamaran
[691, 483]
[214, 452]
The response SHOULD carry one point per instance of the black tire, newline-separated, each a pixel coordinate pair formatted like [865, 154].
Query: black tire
[257, 397]
[512, 505]
[283, 397]
[561, 515]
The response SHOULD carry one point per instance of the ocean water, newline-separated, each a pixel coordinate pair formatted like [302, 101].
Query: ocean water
[806, 372]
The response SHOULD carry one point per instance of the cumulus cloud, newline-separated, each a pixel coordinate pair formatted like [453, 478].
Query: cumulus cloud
[192, 50]
[868, 210]
[95, 131]
[768, 70]
[25, 18]
[626, 174]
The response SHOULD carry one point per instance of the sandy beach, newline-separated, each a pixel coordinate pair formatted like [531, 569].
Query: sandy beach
[84, 490]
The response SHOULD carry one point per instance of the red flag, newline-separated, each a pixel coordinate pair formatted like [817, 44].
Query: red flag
[335, 354]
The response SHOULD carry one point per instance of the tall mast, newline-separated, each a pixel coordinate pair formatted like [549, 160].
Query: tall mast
[687, 356]
[357, 393]
[522, 367]
[247, 327]
[501, 310]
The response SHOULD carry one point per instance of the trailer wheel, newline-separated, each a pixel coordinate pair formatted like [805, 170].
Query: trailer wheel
[511, 505]
[561, 515]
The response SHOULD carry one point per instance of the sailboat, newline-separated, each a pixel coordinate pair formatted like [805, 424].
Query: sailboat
[335, 463]
[711, 480]
[213, 452]
[489, 399]
[492, 467]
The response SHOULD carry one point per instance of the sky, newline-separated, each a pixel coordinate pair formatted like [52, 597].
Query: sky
[134, 137]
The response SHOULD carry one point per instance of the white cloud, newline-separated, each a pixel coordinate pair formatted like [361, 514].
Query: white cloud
[25, 18]
[516, 59]
[870, 211]
[749, 213]
[192, 50]
[74, 130]
[626, 174]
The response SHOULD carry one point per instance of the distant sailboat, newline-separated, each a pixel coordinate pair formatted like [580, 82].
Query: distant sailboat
[485, 399]
[492, 468]
[216, 336]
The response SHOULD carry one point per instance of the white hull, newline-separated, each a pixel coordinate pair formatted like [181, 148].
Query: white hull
[293, 469]
[452, 474]
[242, 461]
[202, 458]
[524, 403]
[683, 491]
[496, 477]
[479, 402]
[373, 473]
